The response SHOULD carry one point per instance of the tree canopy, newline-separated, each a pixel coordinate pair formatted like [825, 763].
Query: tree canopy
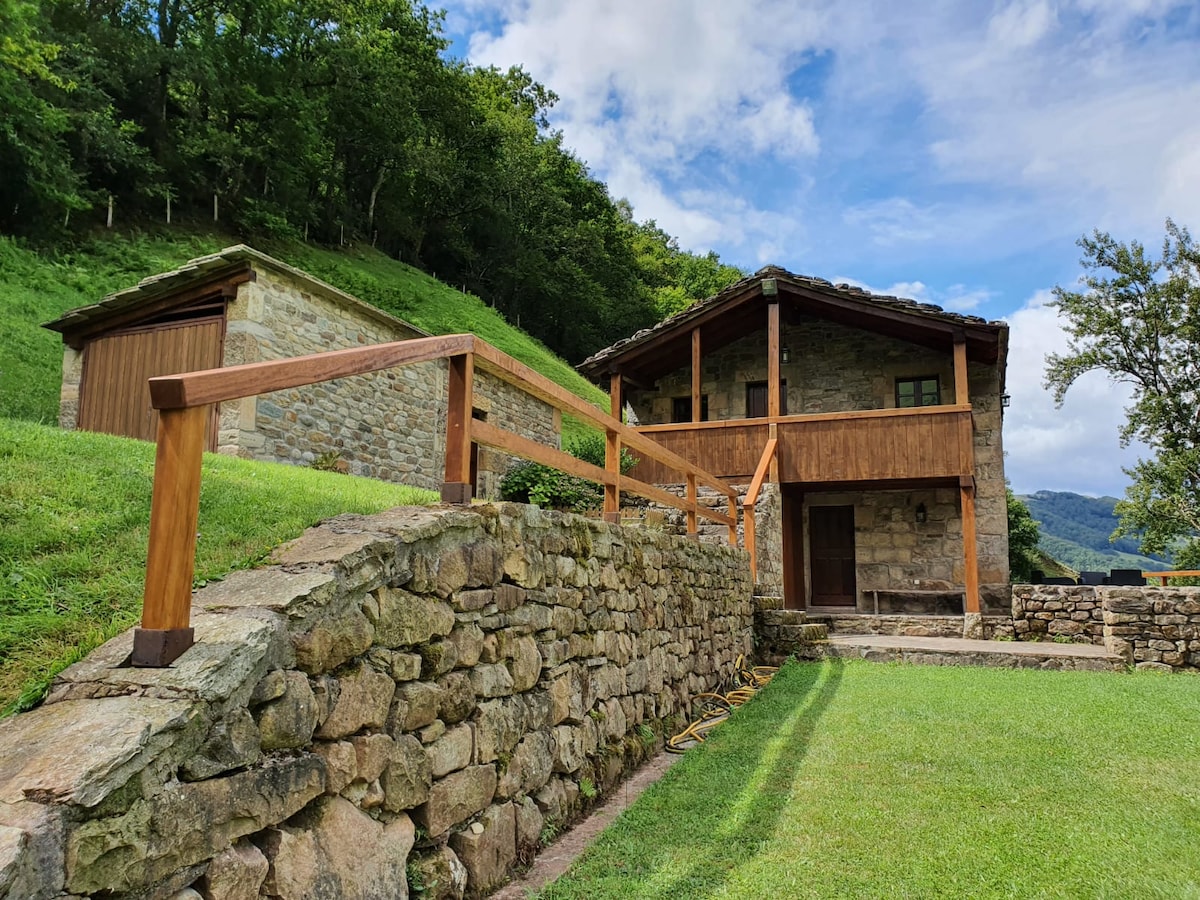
[335, 119]
[1137, 319]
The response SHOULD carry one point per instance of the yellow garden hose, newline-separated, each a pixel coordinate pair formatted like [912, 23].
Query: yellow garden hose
[715, 708]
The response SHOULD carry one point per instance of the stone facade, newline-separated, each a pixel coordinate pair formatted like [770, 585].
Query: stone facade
[388, 425]
[1150, 627]
[835, 368]
[425, 692]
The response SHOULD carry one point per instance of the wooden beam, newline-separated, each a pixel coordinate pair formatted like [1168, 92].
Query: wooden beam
[970, 550]
[751, 540]
[616, 399]
[171, 553]
[696, 375]
[692, 499]
[733, 535]
[760, 473]
[773, 375]
[961, 391]
[802, 418]
[491, 436]
[457, 487]
[217, 385]
[612, 465]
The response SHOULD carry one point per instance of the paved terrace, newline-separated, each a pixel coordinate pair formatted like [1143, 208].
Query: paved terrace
[962, 652]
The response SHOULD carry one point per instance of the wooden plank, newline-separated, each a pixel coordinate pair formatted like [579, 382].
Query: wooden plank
[696, 375]
[612, 465]
[970, 550]
[751, 541]
[509, 370]
[773, 376]
[491, 436]
[692, 502]
[961, 390]
[760, 473]
[616, 399]
[215, 385]
[807, 417]
[459, 424]
[174, 512]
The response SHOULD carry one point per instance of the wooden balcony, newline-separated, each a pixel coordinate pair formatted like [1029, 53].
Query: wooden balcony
[885, 445]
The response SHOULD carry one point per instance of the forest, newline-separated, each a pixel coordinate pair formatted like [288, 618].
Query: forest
[337, 122]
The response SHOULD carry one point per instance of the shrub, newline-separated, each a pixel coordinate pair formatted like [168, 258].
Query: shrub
[544, 486]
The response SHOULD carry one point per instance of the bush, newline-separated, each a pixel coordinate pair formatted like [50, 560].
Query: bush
[544, 486]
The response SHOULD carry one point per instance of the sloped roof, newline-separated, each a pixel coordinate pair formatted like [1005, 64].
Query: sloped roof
[880, 311]
[206, 268]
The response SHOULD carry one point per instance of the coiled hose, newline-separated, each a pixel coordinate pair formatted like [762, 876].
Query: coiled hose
[715, 708]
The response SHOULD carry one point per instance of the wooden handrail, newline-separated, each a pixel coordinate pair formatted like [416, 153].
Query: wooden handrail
[183, 402]
[1180, 573]
[748, 506]
[800, 418]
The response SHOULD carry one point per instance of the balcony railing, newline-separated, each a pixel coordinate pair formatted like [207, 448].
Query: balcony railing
[933, 442]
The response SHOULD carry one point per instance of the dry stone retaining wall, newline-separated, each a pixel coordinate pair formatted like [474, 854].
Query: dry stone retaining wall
[425, 693]
[1151, 627]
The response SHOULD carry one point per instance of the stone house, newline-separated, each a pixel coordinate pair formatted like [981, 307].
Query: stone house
[242, 306]
[885, 489]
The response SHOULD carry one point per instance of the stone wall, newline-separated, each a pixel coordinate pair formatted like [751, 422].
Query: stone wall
[388, 425]
[1151, 627]
[425, 692]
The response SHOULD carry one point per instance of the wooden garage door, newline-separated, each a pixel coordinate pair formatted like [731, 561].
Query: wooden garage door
[115, 397]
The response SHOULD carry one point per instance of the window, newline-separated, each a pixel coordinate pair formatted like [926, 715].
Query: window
[757, 400]
[923, 391]
[681, 409]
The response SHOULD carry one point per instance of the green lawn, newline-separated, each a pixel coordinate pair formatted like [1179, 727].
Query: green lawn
[865, 780]
[74, 515]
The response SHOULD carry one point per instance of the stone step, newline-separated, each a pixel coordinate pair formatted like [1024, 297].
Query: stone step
[941, 651]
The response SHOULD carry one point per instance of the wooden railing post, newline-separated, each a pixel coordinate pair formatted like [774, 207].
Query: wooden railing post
[733, 538]
[970, 548]
[166, 630]
[693, 497]
[457, 487]
[612, 465]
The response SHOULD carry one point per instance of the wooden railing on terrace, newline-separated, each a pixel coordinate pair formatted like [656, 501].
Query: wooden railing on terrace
[861, 445]
[183, 402]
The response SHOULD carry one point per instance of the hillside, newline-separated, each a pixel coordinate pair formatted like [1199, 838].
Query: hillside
[37, 288]
[1075, 530]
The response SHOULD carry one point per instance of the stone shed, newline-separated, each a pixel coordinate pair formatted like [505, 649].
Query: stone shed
[242, 306]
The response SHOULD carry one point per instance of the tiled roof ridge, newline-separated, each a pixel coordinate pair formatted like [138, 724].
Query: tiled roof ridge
[854, 292]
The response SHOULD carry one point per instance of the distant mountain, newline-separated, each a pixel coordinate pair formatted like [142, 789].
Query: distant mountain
[1075, 531]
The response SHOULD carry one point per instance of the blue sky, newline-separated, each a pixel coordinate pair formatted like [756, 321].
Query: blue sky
[947, 151]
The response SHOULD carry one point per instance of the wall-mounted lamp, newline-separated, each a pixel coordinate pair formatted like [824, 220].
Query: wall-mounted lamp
[922, 514]
[1005, 400]
[785, 353]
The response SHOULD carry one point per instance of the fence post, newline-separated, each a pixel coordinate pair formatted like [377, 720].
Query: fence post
[612, 464]
[693, 499]
[166, 631]
[457, 487]
[733, 538]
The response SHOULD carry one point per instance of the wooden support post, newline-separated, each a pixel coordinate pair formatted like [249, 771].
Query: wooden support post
[733, 537]
[693, 498]
[773, 374]
[165, 632]
[970, 546]
[751, 543]
[457, 487]
[616, 400]
[696, 410]
[612, 464]
[962, 394]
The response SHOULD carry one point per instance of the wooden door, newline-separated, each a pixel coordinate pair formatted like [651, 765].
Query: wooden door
[757, 401]
[831, 555]
[115, 396]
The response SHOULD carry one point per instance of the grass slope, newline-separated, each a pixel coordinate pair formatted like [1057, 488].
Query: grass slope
[38, 288]
[74, 516]
[865, 780]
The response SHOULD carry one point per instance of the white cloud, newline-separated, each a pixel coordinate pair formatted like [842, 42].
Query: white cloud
[1071, 448]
